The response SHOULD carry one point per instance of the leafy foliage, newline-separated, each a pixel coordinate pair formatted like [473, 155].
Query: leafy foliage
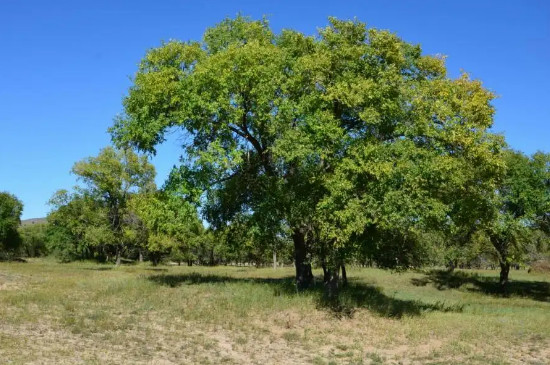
[10, 218]
[110, 178]
[171, 224]
[34, 239]
[519, 208]
[78, 228]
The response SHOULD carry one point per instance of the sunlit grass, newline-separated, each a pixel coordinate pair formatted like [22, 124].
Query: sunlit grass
[90, 313]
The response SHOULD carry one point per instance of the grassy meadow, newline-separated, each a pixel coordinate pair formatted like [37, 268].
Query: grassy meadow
[85, 313]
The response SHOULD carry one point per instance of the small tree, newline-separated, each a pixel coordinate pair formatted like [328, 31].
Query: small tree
[10, 219]
[110, 179]
[520, 206]
[78, 227]
[170, 224]
[33, 238]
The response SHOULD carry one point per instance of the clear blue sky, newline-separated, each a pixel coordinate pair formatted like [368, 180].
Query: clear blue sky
[66, 65]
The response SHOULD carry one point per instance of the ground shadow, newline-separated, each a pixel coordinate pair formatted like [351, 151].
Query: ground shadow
[352, 297]
[13, 259]
[443, 280]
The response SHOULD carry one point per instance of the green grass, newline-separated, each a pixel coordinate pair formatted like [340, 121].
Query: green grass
[85, 313]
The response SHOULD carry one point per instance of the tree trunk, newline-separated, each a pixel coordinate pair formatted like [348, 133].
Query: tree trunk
[140, 256]
[274, 259]
[118, 256]
[326, 274]
[332, 285]
[344, 276]
[501, 245]
[451, 266]
[304, 275]
[504, 271]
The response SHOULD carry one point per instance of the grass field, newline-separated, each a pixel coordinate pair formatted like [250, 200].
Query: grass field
[86, 313]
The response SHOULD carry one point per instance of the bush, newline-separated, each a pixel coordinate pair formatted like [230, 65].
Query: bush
[540, 266]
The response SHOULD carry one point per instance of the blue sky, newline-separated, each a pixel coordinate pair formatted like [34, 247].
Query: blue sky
[66, 65]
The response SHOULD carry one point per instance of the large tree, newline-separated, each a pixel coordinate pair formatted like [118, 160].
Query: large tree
[10, 219]
[110, 178]
[331, 136]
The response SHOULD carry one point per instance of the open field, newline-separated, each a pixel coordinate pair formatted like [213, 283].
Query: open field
[85, 313]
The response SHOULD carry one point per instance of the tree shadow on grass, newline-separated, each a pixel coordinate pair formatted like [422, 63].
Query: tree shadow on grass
[354, 296]
[359, 295]
[13, 259]
[444, 280]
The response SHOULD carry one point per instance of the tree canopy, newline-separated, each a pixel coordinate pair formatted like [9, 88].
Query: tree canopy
[348, 133]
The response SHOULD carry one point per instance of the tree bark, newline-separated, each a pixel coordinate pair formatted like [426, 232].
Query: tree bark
[344, 276]
[140, 256]
[274, 259]
[326, 274]
[501, 245]
[304, 276]
[118, 256]
[211, 263]
[504, 271]
[332, 285]
[116, 228]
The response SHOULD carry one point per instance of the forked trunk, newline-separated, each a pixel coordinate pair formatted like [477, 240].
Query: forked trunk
[501, 245]
[304, 276]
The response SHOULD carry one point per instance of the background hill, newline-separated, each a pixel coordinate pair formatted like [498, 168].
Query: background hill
[26, 222]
